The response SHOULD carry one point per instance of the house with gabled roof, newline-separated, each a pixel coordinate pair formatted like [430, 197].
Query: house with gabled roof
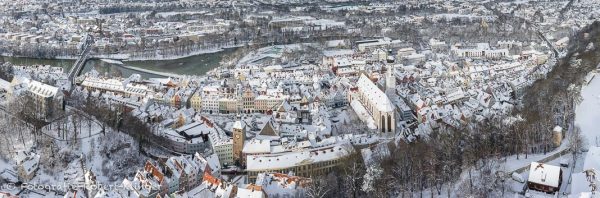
[544, 177]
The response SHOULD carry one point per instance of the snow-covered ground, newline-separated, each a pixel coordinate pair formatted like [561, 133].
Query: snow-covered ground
[112, 61]
[111, 156]
[587, 118]
[159, 56]
[512, 163]
[275, 51]
[167, 74]
[587, 114]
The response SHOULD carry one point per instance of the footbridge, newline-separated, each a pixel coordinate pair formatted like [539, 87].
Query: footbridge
[83, 58]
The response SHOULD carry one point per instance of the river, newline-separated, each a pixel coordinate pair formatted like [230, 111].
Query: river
[193, 65]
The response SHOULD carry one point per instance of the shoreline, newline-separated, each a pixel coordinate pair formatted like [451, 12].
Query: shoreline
[126, 57]
[168, 58]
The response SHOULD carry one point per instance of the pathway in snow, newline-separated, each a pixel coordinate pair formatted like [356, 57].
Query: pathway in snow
[587, 114]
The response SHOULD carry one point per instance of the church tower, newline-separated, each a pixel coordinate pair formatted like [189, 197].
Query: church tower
[390, 78]
[239, 136]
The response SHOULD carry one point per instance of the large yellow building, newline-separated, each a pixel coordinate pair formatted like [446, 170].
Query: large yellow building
[196, 101]
[305, 162]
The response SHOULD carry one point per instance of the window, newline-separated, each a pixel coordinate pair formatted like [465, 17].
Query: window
[389, 123]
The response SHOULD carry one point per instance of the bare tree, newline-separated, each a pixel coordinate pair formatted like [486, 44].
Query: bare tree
[576, 141]
[318, 187]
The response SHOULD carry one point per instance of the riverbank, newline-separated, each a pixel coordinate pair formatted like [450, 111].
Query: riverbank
[130, 57]
[160, 57]
[197, 65]
[73, 58]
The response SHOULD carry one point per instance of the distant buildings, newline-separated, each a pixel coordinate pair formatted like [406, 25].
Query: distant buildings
[376, 43]
[479, 50]
[299, 24]
[248, 100]
[332, 57]
[196, 101]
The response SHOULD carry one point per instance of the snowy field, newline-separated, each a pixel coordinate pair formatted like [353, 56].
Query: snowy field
[587, 114]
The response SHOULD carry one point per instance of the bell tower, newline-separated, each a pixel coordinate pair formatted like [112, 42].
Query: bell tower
[239, 136]
[390, 78]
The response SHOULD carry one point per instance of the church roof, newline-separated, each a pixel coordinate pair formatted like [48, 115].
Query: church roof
[374, 94]
[268, 130]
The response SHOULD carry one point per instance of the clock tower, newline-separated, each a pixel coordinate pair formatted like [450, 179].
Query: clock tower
[239, 136]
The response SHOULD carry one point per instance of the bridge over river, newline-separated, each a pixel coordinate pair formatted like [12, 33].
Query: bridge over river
[86, 56]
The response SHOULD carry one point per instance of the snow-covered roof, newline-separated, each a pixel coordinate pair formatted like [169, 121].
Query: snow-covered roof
[194, 129]
[544, 174]
[42, 89]
[255, 146]
[4, 84]
[373, 93]
[268, 130]
[238, 125]
[341, 52]
[201, 191]
[335, 43]
[280, 185]
[557, 129]
[291, 18]
[249, 193]
[29, 162]
[297, 158]
[363, 114]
